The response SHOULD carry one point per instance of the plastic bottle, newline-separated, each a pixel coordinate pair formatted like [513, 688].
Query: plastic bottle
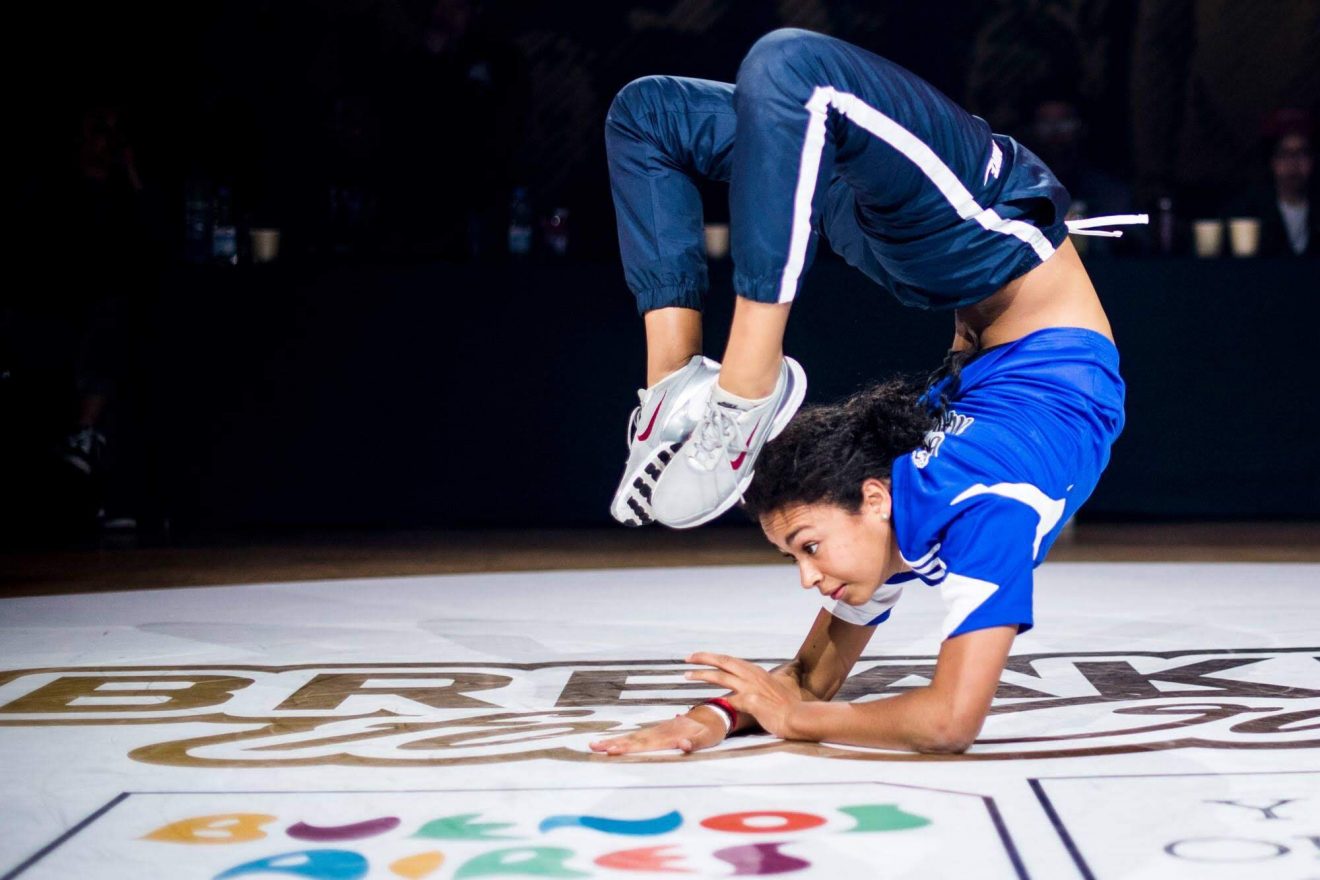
[1164, 224]
[520, 223]
[556, 232]
[196, 222]
[224, 234]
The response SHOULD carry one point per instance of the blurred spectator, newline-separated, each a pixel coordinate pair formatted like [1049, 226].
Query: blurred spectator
[459, 101]
[1202, 72]
[102, 241]
[1023, 49]
[1288, 226]
[352, 156]
[1292, 162]
[1058, 135]
[106, 236]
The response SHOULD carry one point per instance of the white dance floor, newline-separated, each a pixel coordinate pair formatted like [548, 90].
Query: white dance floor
[1161, 721]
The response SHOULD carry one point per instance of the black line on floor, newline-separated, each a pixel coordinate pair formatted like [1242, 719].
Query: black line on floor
[50, 847]
[1009, 846]
[1177, 775]
[560, 788]
[1068, 842]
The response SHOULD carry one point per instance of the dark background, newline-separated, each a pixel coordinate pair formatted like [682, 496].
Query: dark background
[397, 366]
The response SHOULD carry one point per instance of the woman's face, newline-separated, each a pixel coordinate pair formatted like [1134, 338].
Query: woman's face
[1292, 163]
[844, 555]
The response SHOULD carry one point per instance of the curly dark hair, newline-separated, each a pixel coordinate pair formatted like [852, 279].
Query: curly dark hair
[827, 452]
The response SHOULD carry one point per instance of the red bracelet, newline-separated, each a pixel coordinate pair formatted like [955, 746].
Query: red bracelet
[727, 708]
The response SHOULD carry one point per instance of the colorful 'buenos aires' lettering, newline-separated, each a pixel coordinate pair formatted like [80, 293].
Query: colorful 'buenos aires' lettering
[640, 827]
[221, 828]
[763, 822]
[354, 831]
[760, 859]
[225, 828]
[882, 817]
[462, 827]
[418, 866]
[651, 859]
[526, 861]
[530, 861]
[319, 864]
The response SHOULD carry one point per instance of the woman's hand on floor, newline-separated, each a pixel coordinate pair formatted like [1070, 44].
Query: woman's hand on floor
[769, 698]
[686, 733]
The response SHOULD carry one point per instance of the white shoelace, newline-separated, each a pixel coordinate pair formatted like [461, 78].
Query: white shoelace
[716, 432]
[1087, 225]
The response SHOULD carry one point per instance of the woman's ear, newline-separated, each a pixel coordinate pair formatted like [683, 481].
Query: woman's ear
[876, 497]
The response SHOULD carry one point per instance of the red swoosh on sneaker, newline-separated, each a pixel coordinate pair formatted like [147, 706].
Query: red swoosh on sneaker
[651, 424]
[737, 462]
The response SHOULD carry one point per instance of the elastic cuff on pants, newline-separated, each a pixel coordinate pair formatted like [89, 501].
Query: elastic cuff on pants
[683, 296]
[764, 288]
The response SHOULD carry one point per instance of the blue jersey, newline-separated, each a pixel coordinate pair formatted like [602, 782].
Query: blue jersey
[1021, 445]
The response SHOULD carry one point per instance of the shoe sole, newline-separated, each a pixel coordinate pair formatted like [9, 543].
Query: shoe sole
[636, 487]
[796, 394]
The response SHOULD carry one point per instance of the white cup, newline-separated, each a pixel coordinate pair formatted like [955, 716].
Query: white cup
[265, 245]
[1244, 236]
[717, 240]
[1209, 235]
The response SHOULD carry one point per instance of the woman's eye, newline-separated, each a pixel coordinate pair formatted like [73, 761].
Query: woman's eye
[810, 547]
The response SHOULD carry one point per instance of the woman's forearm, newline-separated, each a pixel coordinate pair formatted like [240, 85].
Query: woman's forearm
[942, 717]
[822, 663]
[827, 656]
[920, 720]
[816, 685]
[793, 671]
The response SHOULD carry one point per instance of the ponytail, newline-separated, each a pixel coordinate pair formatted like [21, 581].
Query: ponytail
[945, 383]
[827, 452]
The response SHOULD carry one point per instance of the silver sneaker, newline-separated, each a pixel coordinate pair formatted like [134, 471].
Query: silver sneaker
[716, 464]
[667, 413]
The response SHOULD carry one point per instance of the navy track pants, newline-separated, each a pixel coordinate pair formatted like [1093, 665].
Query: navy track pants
[819, 137]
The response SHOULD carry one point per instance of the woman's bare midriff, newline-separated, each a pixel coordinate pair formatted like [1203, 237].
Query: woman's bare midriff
[1057, 293]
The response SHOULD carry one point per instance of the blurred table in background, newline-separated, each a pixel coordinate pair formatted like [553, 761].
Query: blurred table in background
[498, 395]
